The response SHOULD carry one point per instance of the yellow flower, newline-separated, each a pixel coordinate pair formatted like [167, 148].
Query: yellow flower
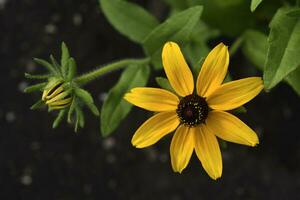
[198, 117]
[55, 95]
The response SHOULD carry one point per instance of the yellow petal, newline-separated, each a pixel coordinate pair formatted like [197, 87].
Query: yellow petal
[52, 85]
[55, 92]
[177, 71]
[155, 128]
[44, 95]
[182, 147]
[58, 97]
[208, 151]
[213, 70]
[57, 107]
[153, 99]
[235, 93]
[61, 102]
[230, 128]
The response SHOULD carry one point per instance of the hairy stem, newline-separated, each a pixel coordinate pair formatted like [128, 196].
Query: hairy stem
[90, 76]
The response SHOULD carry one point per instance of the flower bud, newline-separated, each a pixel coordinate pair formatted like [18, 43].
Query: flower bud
[56, 96]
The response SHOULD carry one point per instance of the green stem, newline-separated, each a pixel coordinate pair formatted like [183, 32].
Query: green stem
[236, 45]
[90, 76]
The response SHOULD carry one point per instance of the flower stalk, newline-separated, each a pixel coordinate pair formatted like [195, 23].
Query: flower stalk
[90, 76]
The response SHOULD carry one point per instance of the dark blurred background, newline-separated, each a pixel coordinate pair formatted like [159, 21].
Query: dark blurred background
[37, 162]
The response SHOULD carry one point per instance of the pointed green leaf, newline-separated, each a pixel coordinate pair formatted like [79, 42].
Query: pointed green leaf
[87, 98]
[294, 12]
[255, 47]
[71, 109]
[55, 64]
[236, 45]
[197, 47]
[79, 122]
[37, 105]
[223, 143]
[65, 55]
[284, 49]
[59, 118]
[254, 4]
[76, 124]
[228, 78]
[293, 80]
[80, 116]
[84, 95]
[36, 76]
[240, 109]
[72, 69]
[164, 83]
[94, 109]
[35, 87]
[129, 19]
[177, 28]
[46, 64]
[115, 108]
[195, 52]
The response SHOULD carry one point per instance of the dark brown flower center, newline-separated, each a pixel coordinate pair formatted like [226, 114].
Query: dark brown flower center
[192, 110]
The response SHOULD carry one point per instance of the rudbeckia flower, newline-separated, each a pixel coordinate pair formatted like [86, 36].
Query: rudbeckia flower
[198, 116]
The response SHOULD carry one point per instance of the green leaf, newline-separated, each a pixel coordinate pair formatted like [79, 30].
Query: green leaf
[177, 28]
[35, 87]
[236, 45]
[255, 47]
[197, 47]
[87, 98]
[294, 12]
[46, 64]
[164, 83]
[228, 78]
[240, 109]
[178, 5]
[231, 17]
[72, 109]
[284, 49]
[72, 69]
[254, 4]
[59, 118]
[194, 52]
[37, 105]
[129, 19]
[293, 80]
[115, 108]
[36, 76]
[65, 55]
[55, 64]
[223, 143]
[79, 118]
